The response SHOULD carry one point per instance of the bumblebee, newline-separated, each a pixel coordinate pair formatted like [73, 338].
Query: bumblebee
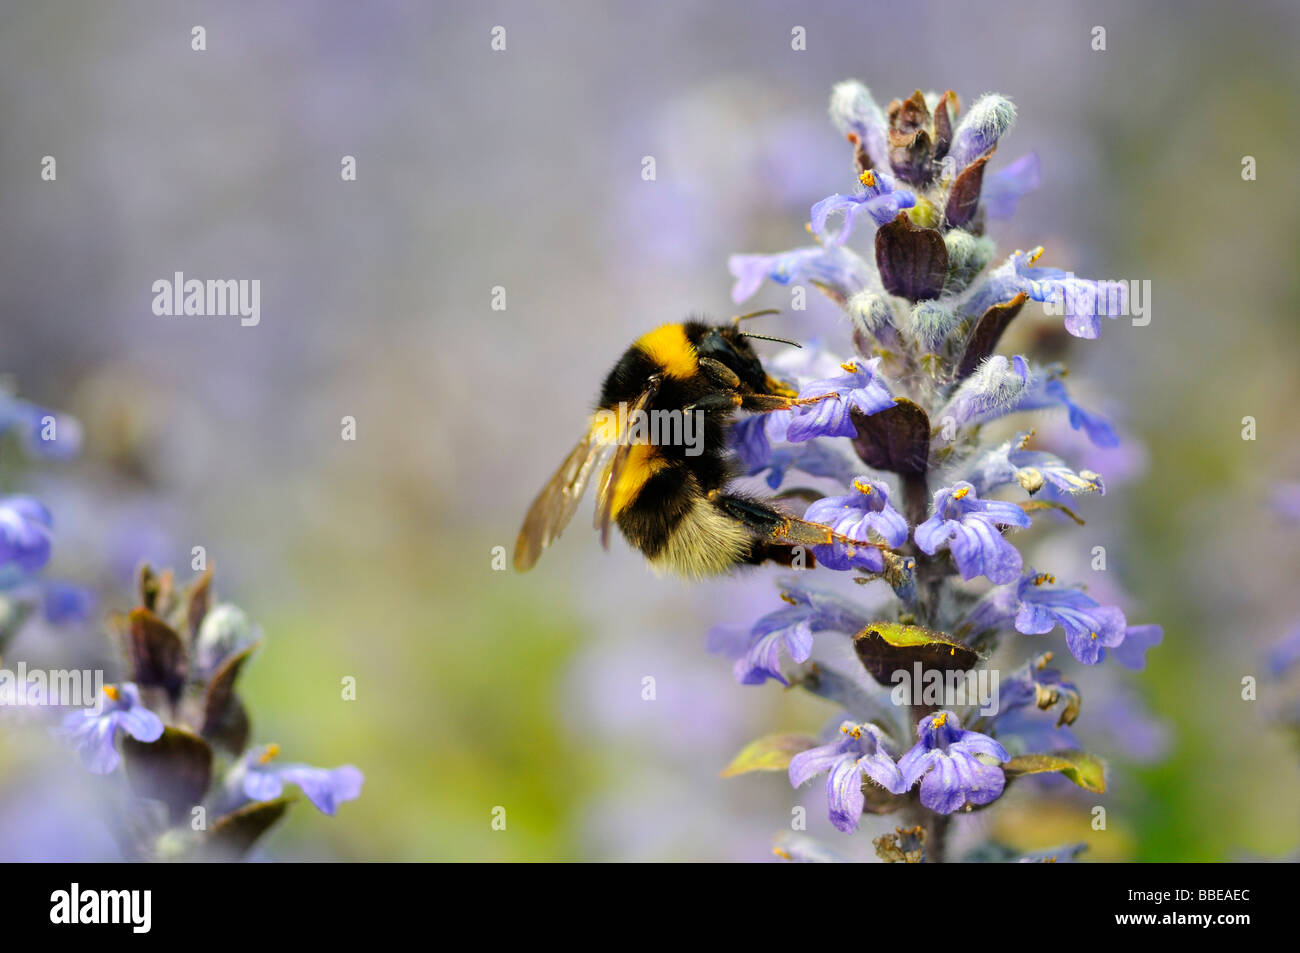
[669, 497]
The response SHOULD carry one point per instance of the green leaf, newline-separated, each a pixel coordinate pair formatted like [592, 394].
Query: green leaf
[769, 753]
[886, 647]
[1080, 767]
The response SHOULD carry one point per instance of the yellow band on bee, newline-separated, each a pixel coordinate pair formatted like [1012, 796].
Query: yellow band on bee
[669, 347]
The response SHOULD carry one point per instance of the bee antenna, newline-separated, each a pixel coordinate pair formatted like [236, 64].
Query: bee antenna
[754, 314]
[765, 337]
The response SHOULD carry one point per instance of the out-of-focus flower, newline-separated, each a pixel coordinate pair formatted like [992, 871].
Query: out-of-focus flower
[43, 433]
[225, 630]
[1004, 189]
[1286, 501]
[1048, 391]
[1284, 655]
[947, 762]
[970, 528]
[24, 533]
[832, 267]
[860, 752]
[262, 778]
[64, 602]
[94, 733]
[1132, 652]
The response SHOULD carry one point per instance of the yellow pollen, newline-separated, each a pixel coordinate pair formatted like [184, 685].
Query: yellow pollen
[868, 179]
[1094, 635]
[939, 720]
[855, 732]
[786, 597]
[807, 227]
[961, 494]
[851, 367]
[862, 487]
[269, 754]
[1036, 254]
[784, 855]
[112, 692]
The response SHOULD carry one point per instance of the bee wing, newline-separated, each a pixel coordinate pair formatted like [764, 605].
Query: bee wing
[556, 504]
[605, 500]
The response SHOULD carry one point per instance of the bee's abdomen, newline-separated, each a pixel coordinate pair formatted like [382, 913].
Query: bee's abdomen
[662, 502]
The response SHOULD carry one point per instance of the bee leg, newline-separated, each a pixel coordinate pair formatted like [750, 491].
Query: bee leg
[769, 523]
[765, 403]
[719, 373]
[766, 522]
[718, 401]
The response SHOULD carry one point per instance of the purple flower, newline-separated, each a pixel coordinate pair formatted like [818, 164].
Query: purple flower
[42, 432]
[1032, 469]
[1047, 390]
[946, 762]
[24, 533]
[64, 602]
[1004, 189]
[837, 269]
[995, 611]
[93, 732]
[1132, 652]
[809, 611]
[1089, 626]
[1042, 687]
[263, 780]
[856, 516]
[878, 198]
[1286, 501]
[813, 458]
[1284, 654]
[1082, 301]
[968, 526]
[861, 752]
[858, 388]
[748, 439]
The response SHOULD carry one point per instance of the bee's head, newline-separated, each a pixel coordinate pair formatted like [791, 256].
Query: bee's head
[729, 345]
